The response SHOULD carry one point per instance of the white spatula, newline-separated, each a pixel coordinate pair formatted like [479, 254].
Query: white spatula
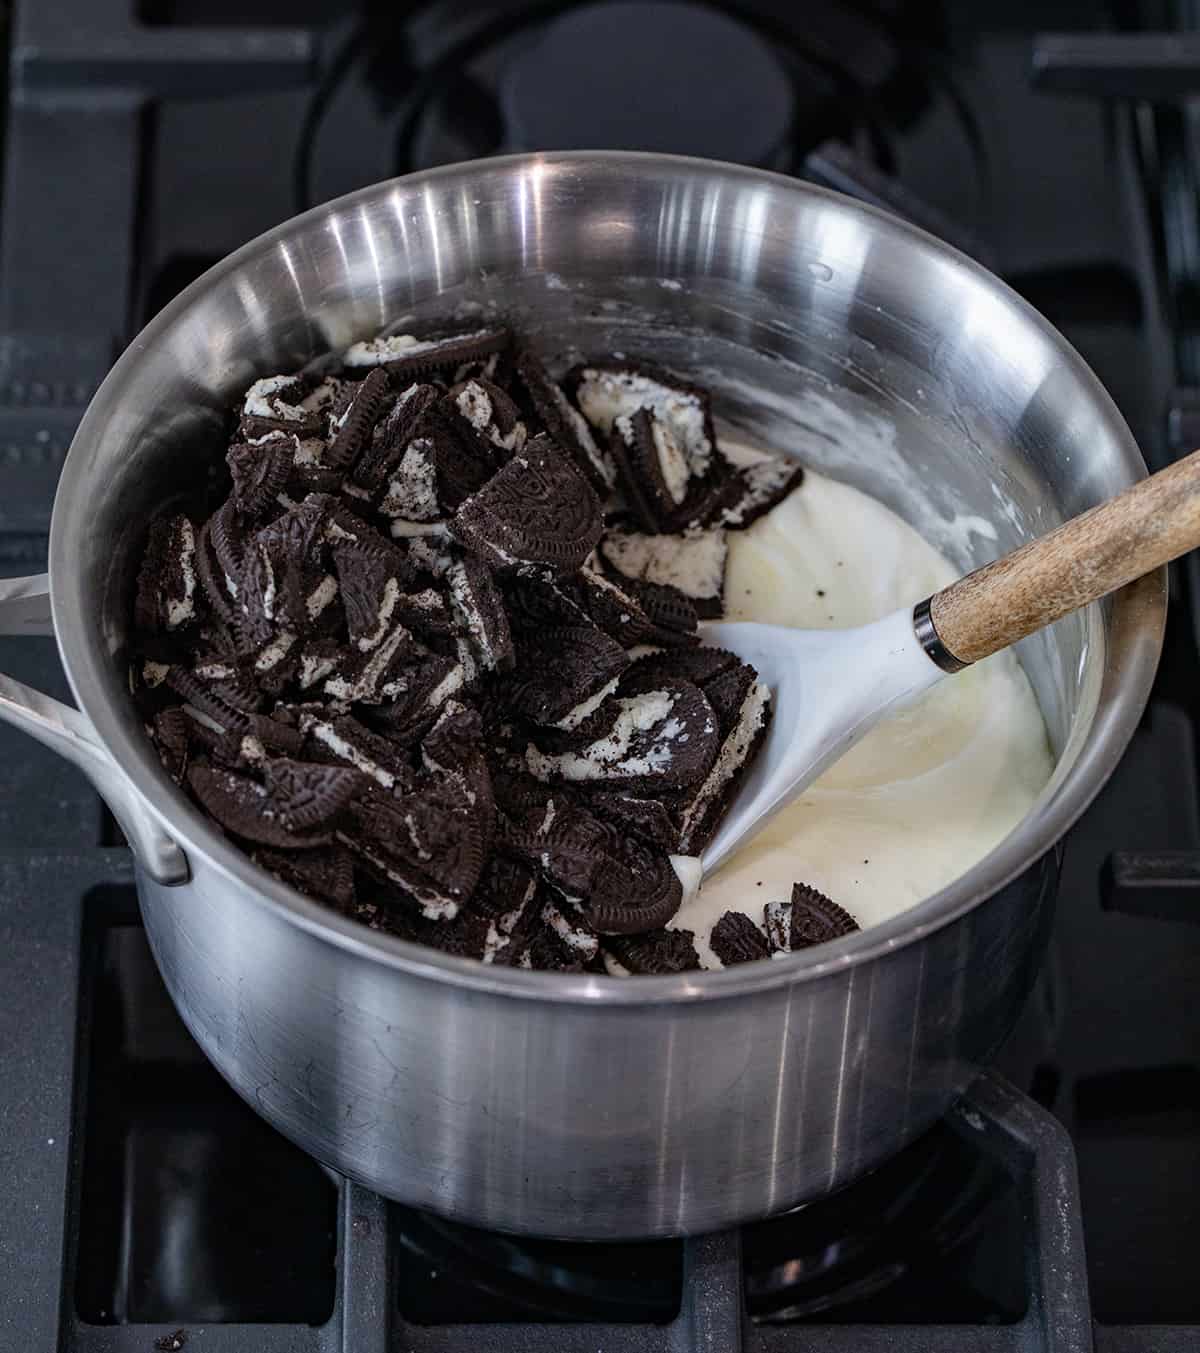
[830, 687]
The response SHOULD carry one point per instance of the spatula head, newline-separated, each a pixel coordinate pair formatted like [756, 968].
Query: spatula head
[828, 688]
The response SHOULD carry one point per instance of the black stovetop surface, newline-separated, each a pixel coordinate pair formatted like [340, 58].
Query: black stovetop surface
[141, 1196]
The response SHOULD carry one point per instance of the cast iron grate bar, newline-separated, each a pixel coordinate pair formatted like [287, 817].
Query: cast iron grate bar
[1164, 884]
[1118, 65]
[85, 78]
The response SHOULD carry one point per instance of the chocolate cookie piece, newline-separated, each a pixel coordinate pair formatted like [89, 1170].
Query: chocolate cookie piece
[390, 911]
[663, 739]
[607, 390]
[326, 873]
[415, 695]
[496, 367]
[387, 910]
[725, 680]
[170, 733]
[563, 674]
[567, 427]
[479, 609]
[651, 468]
[411, 488]
[761, 485]
[463, 937]
[231, 680]
[589, 722]
[511, 900]
[342, 739]
[275, 404]
[369, 576]
[615, 609]
[419, 896]
[736, 939]
[536, 600]
[367, 677]
[353, 427]
[728, 692]
[275, 735]
[283, 574]
[547, 952]
[490, 413]
[260, 474]
[408, 357]
[571, 929]
[426, 612]
[422, 901]
[325, 401]
[400, 425]
[167, 595]
[739, 746]
[698, 665]
[647, 819]
[635, 890]
[816, 919]
[672, 614]
[226, 552]
[218, 588]
[808, 918]
[431, 835]
[694, 563]
[526, 801]
[506, 884]
[614, 883]
[305, 796]
[655, 953]
[679, 466]
[452, 754]
[318, 658]
[537, 510]
[203, 697]
[245, 808]
[565, 844]
[209, 742]
[462, 461]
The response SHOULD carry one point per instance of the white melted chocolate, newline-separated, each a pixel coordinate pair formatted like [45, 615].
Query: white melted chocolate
[930, 791]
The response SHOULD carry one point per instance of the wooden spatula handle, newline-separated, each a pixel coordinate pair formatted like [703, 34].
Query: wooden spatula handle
[1083, 559]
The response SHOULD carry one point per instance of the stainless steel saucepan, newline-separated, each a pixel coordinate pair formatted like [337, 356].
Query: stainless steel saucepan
[585, 1106]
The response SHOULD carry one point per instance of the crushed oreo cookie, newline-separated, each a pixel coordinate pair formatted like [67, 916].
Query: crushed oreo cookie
[537, 510]
[654, 954]
[736, 939]
[411, 666]
[808, 918]
[693, 563]
[763, 481]
[661, 439]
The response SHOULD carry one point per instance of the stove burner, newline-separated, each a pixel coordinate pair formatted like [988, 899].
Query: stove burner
[662, 76]
[870, 1251]
[453, 1272]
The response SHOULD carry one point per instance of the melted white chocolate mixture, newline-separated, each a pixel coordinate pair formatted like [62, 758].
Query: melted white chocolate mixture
[926, 794]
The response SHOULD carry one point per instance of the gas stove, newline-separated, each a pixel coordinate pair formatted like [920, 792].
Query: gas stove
[147, 1207]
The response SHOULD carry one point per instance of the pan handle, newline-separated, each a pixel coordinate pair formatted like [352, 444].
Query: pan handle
[25, 609]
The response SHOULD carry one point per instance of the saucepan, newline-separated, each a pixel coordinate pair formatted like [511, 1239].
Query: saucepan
[587, 1106]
